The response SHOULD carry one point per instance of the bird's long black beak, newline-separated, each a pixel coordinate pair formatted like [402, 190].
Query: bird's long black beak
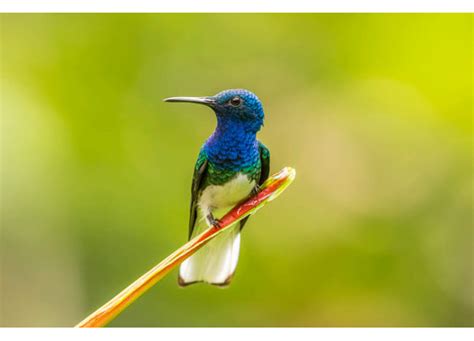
[209, 101]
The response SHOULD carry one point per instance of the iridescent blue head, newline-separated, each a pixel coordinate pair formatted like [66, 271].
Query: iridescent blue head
[236, 107]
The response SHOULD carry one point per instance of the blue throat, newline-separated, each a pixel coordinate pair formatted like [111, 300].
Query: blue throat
[233, 146]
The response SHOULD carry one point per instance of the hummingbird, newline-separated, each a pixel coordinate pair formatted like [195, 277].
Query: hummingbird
[230, 167]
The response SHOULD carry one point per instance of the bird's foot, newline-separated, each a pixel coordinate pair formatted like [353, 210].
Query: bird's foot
[255, 191]
[215, 223]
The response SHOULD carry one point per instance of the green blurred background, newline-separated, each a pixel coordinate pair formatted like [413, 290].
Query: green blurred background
[373, 110]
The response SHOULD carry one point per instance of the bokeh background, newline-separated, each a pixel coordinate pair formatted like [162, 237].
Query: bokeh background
[373, 110]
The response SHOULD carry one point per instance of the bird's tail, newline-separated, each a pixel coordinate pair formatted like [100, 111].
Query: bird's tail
[215, 262]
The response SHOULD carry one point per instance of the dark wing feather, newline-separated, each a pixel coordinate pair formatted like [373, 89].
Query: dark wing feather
[265, 159]
[200, 172]
[264, 171]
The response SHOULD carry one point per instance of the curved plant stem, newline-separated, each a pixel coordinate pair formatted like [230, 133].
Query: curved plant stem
[273, 187]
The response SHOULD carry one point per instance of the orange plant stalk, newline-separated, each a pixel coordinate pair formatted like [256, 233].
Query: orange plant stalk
[273, 187]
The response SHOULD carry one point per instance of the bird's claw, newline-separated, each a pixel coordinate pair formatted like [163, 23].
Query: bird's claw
[255, 191]
[215, 223]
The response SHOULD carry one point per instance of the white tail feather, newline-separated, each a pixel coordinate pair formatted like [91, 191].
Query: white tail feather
[215, 262]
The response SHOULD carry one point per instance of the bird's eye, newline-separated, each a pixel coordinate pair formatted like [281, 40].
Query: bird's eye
[235, 102]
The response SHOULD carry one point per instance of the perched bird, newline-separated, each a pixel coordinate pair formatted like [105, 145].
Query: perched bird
[231, 165]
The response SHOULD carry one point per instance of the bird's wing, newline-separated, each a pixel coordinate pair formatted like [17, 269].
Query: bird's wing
[265, 160]
[264, 171]
[200, 173]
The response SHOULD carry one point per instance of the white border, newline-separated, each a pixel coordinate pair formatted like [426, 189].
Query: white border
[244, 6]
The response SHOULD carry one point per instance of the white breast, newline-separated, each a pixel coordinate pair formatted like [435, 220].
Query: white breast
[226, 196]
